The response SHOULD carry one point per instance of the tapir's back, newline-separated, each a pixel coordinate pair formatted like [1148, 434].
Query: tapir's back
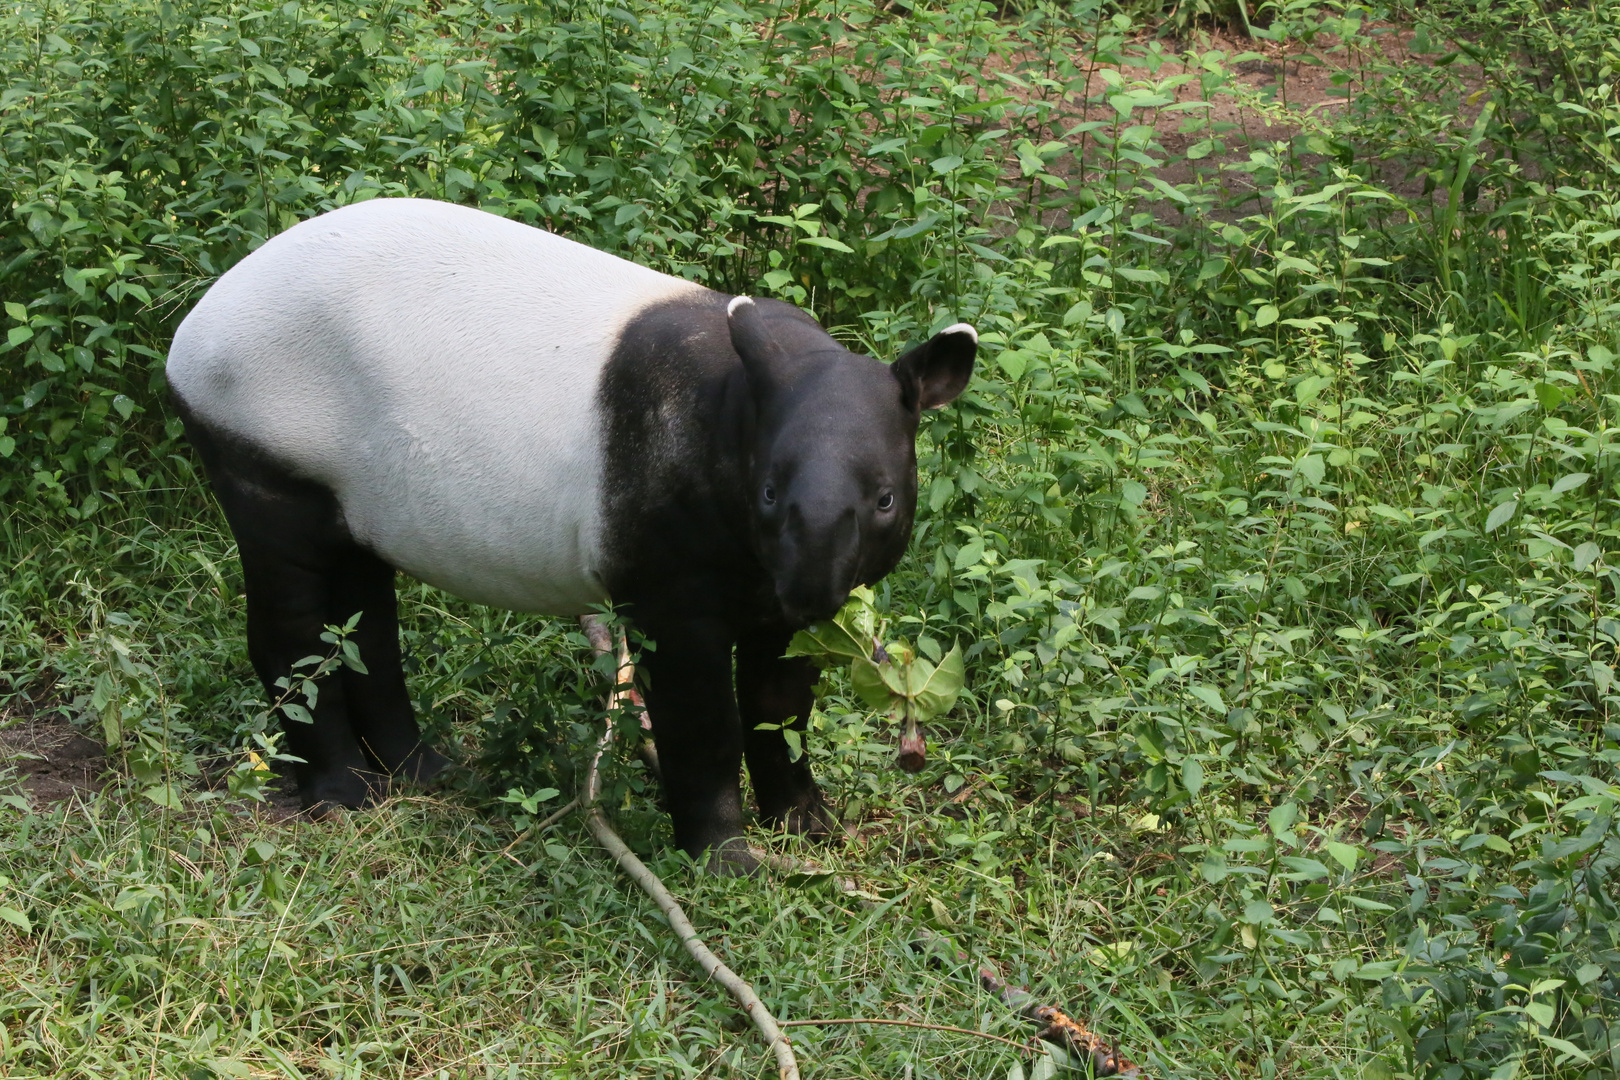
[437, 368]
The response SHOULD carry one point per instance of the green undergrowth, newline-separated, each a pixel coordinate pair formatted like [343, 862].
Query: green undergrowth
[1278, 532]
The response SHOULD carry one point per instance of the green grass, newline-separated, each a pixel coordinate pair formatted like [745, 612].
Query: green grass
[1279, 531]
[420, 939]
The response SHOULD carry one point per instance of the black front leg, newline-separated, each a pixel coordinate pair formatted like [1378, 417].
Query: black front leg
[779, 692]
[699, 736]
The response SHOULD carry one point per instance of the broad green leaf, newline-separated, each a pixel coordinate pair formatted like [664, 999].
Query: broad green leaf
[1570, 482]
[868, 682]
[1192, 775]
[1379, 970]
[16, 918]
[894, 677]
[166, 795]
[939, 691]
[1367, 905]
[1311, 868]
[1310, 388]
[1568, 1050]
[1343, 854]
[1266, 315]
[827, 242]
[1210, 696]
[829, 643]
[1501, 515]
[857, 615]
[916, 676]
[1311, 469]
[1585, 555]
[1133, 492]
[1281, 819]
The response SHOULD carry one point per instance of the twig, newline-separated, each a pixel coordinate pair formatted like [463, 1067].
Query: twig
[1058, 1027]
[562, 811]
[903, 1023]
[786, 1064]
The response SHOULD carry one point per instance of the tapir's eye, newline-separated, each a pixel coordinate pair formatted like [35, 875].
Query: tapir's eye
[770, 495]
[886, 501]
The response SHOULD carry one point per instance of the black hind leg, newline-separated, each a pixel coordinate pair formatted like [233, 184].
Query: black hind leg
[379, 708]
[293, 541]
[287, 613]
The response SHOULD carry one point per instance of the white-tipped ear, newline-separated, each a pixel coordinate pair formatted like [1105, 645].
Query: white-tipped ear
[756, 346]
[935, 372]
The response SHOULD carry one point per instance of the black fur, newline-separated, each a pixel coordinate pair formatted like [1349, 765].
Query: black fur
[756, 471]
[302, 572]
[742, 502]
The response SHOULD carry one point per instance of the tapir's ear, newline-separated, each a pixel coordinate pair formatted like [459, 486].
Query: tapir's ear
[761, 355]
[935, 372]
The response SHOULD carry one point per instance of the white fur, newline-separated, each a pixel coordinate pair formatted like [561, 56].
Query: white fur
[437, 368]
[962, 328]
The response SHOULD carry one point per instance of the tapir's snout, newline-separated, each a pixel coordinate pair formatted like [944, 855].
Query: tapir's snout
[820, 556]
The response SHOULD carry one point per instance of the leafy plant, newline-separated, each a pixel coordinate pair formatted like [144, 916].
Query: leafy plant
[1277, 532]
[890, 677]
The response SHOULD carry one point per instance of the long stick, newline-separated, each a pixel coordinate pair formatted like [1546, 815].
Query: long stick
[787, 1065]
[902, 1023]
[1058, 1027]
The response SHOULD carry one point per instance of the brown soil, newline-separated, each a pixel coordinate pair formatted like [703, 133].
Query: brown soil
[50, 760]
[1278, 95]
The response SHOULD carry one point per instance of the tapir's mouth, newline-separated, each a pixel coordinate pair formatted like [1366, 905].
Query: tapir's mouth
[802, 613]
[818, 559]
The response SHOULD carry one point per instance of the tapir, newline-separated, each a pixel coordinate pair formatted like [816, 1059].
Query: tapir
[525, 421]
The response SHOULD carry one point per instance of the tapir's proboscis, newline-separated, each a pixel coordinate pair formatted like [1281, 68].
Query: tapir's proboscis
[527, 422]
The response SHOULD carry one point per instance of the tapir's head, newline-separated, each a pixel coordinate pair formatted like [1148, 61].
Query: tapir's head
[834, 462]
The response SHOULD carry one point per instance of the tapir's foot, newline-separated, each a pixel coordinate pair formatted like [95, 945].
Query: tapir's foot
[809, 817]
[422, 765]
[353, 789]
[731, 858]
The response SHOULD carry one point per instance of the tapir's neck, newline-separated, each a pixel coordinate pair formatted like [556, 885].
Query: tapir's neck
[678, 432]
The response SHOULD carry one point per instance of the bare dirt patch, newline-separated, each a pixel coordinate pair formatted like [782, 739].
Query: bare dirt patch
[51, 760]
[1276, 93]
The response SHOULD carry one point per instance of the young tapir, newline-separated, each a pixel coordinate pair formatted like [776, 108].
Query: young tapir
[527, 422]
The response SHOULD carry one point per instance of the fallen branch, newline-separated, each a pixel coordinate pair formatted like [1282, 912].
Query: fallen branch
[903, 1023]
[786, 1064]
[1058, 1027]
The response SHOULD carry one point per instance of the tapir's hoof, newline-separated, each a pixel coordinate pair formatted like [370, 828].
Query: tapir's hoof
[422, 765]
[812, 819]
[352, 789]
[731, 858]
